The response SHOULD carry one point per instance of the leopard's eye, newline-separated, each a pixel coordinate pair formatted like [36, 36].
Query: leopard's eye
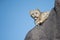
[36, 12]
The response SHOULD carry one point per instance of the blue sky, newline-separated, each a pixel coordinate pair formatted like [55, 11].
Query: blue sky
[15, 20]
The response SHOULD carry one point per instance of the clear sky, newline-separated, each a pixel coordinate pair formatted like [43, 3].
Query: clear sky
[15, 20]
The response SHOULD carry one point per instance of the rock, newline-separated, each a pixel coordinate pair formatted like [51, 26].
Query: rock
[50, 29]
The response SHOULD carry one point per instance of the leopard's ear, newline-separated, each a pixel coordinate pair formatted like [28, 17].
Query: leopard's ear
[38, 9]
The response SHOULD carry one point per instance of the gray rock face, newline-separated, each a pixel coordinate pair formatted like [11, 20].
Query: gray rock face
[57, 8]
[50, 29]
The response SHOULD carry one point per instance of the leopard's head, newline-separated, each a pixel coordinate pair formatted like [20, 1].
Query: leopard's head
[35, 14]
